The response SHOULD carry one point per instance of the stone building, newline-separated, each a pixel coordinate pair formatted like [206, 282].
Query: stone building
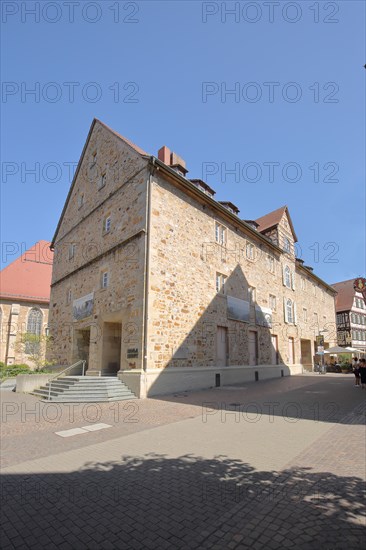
[351, 316]
[25, 286]
[156, 281]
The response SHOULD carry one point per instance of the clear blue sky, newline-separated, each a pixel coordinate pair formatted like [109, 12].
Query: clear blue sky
[169, 51]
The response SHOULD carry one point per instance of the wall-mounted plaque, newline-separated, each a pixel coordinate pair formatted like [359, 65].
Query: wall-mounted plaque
[263, 316]
[237, 309]
[132, 353]
[83, 307]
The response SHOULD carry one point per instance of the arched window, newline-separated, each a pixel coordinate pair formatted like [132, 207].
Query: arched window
[34, 324]
[289, 308]
[286, 245]
[287, 277]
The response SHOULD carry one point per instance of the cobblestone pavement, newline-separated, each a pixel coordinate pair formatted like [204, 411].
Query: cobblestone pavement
[276, 464]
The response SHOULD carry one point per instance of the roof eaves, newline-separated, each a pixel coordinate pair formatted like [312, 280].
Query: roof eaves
[212, 202]
[24, 298]
[318, 279]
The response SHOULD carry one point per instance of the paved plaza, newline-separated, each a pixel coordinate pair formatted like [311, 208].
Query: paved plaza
[267, 465]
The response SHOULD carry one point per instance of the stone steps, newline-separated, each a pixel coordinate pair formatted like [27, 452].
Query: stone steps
[72, 389]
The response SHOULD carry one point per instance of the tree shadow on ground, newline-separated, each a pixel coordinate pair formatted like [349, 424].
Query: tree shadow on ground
[189, 502]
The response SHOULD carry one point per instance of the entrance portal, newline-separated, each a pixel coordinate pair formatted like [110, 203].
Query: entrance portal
[81, 346]
[111, 357]
[306, 357]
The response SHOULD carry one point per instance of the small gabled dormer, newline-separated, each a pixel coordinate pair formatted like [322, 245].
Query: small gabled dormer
[252, 224]
[230, 206]
[203, 186]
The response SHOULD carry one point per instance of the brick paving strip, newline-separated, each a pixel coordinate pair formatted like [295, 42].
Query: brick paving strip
[221, 480]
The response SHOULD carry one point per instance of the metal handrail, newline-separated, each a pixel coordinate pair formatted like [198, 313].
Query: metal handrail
[59, 374]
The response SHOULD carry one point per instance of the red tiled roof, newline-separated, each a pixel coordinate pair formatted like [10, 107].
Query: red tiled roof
[346, 293]
[28, 278]
[273, 218]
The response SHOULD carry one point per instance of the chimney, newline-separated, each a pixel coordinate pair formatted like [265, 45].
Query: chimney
[173, 160]
[164, 155]
[176, 160]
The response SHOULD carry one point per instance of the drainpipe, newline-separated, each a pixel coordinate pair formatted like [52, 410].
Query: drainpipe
[147, 265]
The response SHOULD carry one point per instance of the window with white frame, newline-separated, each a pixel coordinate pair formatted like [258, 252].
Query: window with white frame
[290, 311]
[93, 159]
[221, 283]
[220, 233]
[250, 251]
[80, 200]
[68, 296]
[271, 263]
[302, 283]
[287, 276]
[251, 294]
[107, 224]
[105, 279]
[272, 302]
[286, 245]
[72, 248]
[102, 181]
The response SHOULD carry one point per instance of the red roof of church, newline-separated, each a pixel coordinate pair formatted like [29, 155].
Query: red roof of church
[28, 278]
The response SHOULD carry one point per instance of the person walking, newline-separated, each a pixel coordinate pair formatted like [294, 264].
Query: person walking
[356, 371]
[362, 367]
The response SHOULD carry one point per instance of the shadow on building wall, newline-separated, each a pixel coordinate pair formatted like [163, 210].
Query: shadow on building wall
[231, 332]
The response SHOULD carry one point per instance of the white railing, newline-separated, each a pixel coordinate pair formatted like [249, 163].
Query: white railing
[59, 374]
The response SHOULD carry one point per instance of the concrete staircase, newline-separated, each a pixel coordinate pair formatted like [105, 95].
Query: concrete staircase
[85, 389]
